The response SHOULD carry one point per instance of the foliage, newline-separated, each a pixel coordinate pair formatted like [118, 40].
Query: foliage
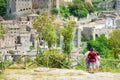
[81, 64]
[100, 45]
[32, 47]
[106, 65]
[104, 5]
[3, 76]
[3, 7]
[28, 59]
[114, 42]
[51, 58]
[2, 31]
[24, 59]
[83, 38]
[50, 35]
[67, 33]
[111, 65]
[6, 63]
[46, 29]
[78, 9]
[38, 12]
[64, 11]
[19, 61]
[54, 10]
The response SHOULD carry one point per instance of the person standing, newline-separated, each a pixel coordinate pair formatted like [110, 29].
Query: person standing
[87, 61]
[92, 59]
[97, 62]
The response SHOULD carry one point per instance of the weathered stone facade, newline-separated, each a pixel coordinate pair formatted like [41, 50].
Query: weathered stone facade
[17, 6]
[92, 31]
[118, 5]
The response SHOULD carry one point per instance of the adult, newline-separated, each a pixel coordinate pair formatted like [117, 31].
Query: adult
[92, 59]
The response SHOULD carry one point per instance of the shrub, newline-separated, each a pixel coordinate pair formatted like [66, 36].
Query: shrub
[51, 58]
[109, 65]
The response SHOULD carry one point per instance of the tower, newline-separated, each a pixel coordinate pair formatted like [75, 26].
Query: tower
[18, 6]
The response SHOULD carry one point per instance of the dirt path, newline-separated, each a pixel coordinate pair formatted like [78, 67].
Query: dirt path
[57, 74]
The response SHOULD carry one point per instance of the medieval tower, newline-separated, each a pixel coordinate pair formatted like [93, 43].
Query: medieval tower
[18, 6]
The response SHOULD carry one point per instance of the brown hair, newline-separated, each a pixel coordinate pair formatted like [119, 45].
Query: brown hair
[92, 49]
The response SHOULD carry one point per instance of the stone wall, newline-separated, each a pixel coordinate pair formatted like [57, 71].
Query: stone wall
[18, 6]
[91, 31]
[87, 32]
[117, 5]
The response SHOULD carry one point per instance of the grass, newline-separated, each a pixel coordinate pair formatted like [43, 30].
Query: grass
[106, 65]
[3, 77]
[109, 65]
[97, 0]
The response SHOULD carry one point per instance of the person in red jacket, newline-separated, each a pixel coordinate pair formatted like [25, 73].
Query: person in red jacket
[92, 59]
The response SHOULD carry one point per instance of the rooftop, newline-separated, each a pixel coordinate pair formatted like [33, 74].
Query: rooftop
[14, 26]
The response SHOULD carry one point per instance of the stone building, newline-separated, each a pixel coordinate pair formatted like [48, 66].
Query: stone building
[47, 4]
[35, 4]
[117, 21]
[18, 6]
[99, 26]
[92, 31]
[31, 17]
[117, 5]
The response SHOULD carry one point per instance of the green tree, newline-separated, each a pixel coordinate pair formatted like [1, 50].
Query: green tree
[54, 10]
[64, 11]
[78, 9]
[114, 42]
[100, 44]
[3, 7]
[45, 27]
[50, 35]
[67, 33]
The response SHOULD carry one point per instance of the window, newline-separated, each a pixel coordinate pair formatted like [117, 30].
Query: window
[18, 40]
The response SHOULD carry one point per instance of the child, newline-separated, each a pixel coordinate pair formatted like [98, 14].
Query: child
[87, 61]
[97, 62]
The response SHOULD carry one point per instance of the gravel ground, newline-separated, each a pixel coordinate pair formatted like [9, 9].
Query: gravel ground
[57, 74]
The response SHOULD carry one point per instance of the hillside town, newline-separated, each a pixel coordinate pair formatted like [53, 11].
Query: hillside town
[21, 35]
[52, 39]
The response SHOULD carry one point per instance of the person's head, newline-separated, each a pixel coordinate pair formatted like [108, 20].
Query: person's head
[92, 49]
[97, 53]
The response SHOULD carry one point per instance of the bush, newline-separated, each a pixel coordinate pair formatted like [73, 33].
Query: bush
[110, 65]
[6, 64]
[32, 47]
[54, 10]
[19, 61]
[51, 58]
[81, 64]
